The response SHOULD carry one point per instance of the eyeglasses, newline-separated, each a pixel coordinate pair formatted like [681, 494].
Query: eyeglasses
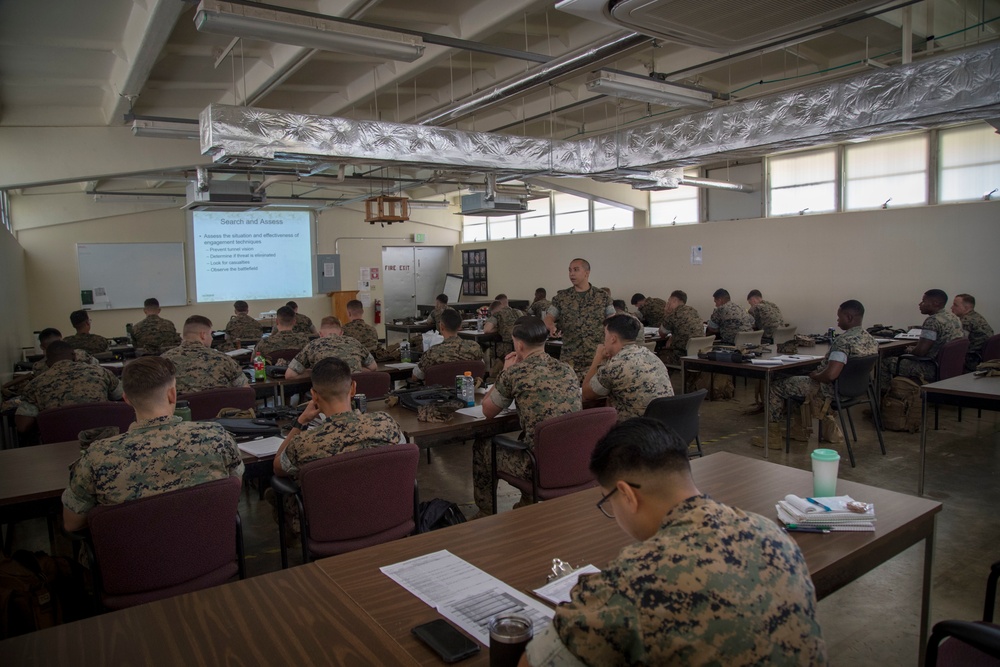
[606, 509]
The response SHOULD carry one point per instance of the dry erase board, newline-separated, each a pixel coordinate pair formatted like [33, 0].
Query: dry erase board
[123, 275]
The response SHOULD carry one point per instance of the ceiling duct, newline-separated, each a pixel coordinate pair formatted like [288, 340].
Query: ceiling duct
[235, 195]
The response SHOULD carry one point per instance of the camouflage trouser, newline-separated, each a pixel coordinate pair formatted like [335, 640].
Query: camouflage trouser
[801, 387]
[292, 525]
[498, 353]
[511, 462]
[920, 372]
[579, 358]
[671, 357]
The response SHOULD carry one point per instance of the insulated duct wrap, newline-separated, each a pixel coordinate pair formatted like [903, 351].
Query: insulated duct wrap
[957, 87]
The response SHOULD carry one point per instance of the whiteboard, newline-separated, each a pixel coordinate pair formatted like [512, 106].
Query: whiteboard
[130, 273]
[452, 287]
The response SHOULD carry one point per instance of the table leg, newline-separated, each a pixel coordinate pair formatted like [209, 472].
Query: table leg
[767, 414]
[683, 379]
[925, 596]
[923, 443]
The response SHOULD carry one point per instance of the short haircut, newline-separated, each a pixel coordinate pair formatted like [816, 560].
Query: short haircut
[330, 322]
[540, 291]
[356, 307]
[59, 350]
[619, 304]
[292, 305]
[755, 293]
[680, 295]
[450, 320]
[940, 297]
[500, 297]
[443, 298]
[78, 317]
[285, 316]
[720, 294]
[637, 297]
[145, 377]
[967, 298]
[331, 377]
[586, 264]
[530, 330]
[151, 302]
[853, 306]
[496, 305]
[241, 307]
[638, 445]
[625, 327]
[197, 324]
[45, 335]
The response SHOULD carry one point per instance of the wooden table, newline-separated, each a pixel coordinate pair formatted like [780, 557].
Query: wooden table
[748, 370]
[518, 547]
[292, 617]
[965, 391]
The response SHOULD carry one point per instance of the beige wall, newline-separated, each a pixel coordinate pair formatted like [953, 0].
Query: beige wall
[15, 331]
[50, 226]
[806, 264]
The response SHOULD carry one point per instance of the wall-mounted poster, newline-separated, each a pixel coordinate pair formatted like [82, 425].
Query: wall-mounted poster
[474, 273]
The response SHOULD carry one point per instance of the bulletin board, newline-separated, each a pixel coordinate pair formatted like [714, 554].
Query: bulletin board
[476, 281]
[123, 275]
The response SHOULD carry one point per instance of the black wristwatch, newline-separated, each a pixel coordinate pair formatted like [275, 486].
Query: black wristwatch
[299, 425]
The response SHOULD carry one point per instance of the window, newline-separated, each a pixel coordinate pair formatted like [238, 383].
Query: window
[888, 170]
[5, 211]
[503, 228]
[969, 163]
[803, 182]
[572, 213]
[609, 216]
[473, 229]
[674, 207]
[538, 222]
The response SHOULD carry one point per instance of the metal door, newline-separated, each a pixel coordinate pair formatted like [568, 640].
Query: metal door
[432, 266]
[411, 276]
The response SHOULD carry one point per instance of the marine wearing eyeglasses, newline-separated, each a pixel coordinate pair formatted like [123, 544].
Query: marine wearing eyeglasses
[706, 583]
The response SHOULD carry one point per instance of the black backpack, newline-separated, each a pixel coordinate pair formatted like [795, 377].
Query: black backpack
[438, 513]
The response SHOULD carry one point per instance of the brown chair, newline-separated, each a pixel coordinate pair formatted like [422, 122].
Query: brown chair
[680, 413]
[949, 363]
[991, 350]
[444, 374]
[65, 423]
[967, 643]
[165, 545]
[287, 354]
[206, 404]
[373, 384]
[560, 456]
[352, 500]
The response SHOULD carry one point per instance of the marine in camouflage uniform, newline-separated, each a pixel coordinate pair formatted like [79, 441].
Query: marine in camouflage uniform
[940, 328]
[434, 319]
[683, 324]
[282, 340]
[340, 433]
[503, 322]
[88, 342]
[155, 456]
[450, 349]
[539, 308]
[200, 368]
[342, 347]
[979, 331]
[766, 316]
[631, 379]
[155, 334]
[303, 324]
[714, 586]
[40, 366]
[853, 343]
[68, 382]
[580, 316]
[729, 319]
[367, 335]
[542, 387]
[243, 328]
[652, 312]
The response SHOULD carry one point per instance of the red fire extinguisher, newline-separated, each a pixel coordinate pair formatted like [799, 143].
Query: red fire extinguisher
[378, 311]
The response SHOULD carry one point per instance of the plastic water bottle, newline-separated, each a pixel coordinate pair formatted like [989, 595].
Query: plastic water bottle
[468, 390]
[404, 351]
[259, 374]
[183, 410]
[479, 324]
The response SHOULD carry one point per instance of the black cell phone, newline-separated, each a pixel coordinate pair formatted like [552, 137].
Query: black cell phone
[446, 640]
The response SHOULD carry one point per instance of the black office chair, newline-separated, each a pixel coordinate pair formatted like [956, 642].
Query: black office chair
[967, 643]
[680, 413]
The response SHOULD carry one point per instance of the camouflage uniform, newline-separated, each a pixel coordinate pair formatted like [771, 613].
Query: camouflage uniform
[282, 340]
[941, 327]
[542, 387]
[88, 342]
[504, 320]
[450, 349]
[683, 324]
[343, 432]
[766, 316]
[346, 349]
[155, 456]
[979, 331]
[714, 586]
[580, 316]
[539, 308]
[367, 335]
[434, 318]
[853, 343]
[155, 334]
[303, 324]
[243, 328]
[652, 312]
[730, 320]
[68, 382]
[39, 366]
[200, 368]
[631, 379]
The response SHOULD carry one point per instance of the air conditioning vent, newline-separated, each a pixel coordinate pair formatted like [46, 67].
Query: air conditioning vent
[477, 204]
[224, 196]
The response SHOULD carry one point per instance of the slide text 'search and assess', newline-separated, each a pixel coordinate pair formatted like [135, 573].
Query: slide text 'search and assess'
[252, 255]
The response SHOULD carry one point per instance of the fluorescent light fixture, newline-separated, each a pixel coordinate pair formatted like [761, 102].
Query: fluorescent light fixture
[166, 200]
[302, 30]
[648, 90]
[428, 203]
[162, 129]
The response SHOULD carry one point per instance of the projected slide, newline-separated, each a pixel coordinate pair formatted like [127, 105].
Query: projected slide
[252, 255]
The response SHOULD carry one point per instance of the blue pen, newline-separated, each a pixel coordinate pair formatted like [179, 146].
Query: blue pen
[818, 503]
[807, 530]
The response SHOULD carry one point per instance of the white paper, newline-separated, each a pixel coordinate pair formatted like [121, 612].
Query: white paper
[329, 270]
[558, 591]
[766, 362]
[236, 353]
[477, 411]
[651, 331]
[365, 298]
[402, 365]
[113, 364]
[464, 594]
[101, 295]
[262, 447]
[366, 273]
[696, 254]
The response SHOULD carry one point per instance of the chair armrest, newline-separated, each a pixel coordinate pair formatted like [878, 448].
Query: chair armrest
[508, 442]
[915, 357]
[985, 638]
[284, 486]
